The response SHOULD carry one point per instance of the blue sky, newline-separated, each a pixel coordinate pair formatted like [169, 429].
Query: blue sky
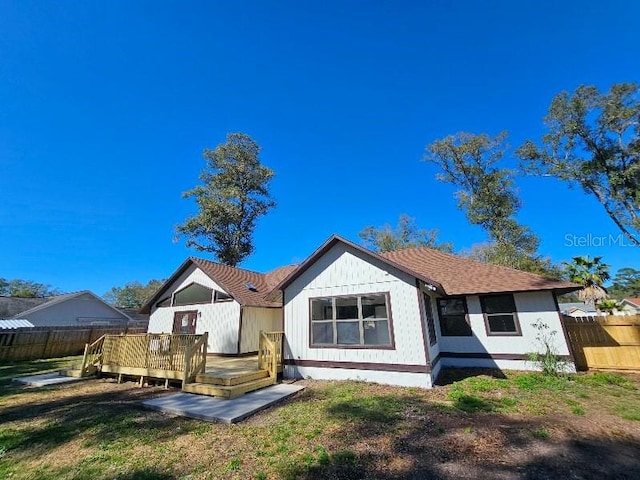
[105, 108]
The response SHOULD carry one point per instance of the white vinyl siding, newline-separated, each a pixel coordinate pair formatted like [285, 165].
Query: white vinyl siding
[83, 310]
[530, 306]
[344, 271]
[221, 320]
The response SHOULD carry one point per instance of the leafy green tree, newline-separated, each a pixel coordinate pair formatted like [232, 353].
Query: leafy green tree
[488, 197]
[508, 255]
[233, 195]
[626, 284]
[405, 234]
[25, 289]
[132, 294]
[593, 140]
[591, 274]
[609, 305]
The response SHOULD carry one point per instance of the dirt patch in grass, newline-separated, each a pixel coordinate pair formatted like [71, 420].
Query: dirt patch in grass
[476, 425]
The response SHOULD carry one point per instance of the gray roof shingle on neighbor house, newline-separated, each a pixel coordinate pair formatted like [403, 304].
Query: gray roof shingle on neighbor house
[572, 306]
[22, 308]
[135, 316]
[12, 306]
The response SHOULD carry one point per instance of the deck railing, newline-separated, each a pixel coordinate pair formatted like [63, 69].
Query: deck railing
[270, 352]
[149, 351]
[92, 358]
[195, 360]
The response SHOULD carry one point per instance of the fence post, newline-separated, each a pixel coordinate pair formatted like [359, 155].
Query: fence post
[46, 344]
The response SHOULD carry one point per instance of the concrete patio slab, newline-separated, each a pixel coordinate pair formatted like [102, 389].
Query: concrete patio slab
[46, 379]
[213, 409]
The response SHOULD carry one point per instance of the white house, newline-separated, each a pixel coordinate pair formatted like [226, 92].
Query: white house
[77, 309]
[399, 317]
[630, 306]
[347, 312]
[229, 303]
[578, 309]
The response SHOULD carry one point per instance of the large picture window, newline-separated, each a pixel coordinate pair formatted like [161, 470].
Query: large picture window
[351, 321]
[500, 315]
[453, 317]
[192, 294]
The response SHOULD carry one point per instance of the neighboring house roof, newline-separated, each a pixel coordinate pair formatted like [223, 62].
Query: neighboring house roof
[235, 281]
[134, 315]
[56, 299]
[571, 307]
[15, 323]
[12, 306]
[634, 301]
[448, 274]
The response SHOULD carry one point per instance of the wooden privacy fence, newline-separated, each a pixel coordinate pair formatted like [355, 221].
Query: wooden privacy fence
[604, 342]
[47, 342]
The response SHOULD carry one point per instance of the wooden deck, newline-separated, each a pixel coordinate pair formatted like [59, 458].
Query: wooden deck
[228, 367]
[184, 357]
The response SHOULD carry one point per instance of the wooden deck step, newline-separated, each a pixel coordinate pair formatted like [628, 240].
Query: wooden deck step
[232, 379]
[227, 391]
[71, 372]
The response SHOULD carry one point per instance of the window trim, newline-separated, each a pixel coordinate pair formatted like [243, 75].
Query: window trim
[173, 297]
[427, 303]
[228, 298]
[516, 320]
[164, 299]
[189, 313]
[466, 315]
[391, 346]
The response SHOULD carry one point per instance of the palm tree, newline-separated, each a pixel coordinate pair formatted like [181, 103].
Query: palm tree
[591, 274]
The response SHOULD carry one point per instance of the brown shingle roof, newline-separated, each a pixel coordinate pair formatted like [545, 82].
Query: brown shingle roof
[235, 281]
[459, 275]
[448, 274]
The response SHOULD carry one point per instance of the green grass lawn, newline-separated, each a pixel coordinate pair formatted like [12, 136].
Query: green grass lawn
[479, 426]
[21, 369]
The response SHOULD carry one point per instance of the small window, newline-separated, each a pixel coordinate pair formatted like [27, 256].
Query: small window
[219, 296]
[453, 317]
[192, 294]
[359, 320]
[500, 315]
[165, 302]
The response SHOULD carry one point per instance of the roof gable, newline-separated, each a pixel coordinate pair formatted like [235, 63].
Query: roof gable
[448, 274]
[330, 243]
[237, 282]
[57, 299]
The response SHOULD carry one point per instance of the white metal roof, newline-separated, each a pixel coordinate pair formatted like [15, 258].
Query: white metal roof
[15, 323]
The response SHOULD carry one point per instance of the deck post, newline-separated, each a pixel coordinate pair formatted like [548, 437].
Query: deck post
[84, 360]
